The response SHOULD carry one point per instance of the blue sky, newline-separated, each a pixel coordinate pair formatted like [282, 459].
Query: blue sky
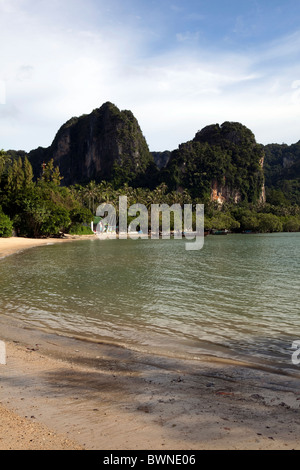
[178, 65]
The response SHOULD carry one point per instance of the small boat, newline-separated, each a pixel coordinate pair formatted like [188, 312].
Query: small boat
[220, 232]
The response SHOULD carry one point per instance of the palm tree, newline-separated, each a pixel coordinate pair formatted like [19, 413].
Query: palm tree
[89, 194]
[105, 191]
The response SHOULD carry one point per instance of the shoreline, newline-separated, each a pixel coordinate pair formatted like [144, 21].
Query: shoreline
[60, 392]
[95, 396]
[12, 245]
[18, 432]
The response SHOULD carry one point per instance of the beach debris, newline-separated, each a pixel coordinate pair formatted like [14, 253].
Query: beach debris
[144, 408]
[179, 379]
[210, 384]
[221, 392]
[284, 404]
[256, 396]
[2, 353]
[33, 349]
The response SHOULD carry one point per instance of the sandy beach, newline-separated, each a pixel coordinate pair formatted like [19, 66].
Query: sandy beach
[58, 392]
[9, 246]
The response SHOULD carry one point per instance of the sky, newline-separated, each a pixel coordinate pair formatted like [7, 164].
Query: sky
[178, 65]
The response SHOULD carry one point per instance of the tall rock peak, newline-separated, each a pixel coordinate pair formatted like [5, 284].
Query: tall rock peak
[223, 163]
[95, 145]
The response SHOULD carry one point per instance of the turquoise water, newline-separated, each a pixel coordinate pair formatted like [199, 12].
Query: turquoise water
[238, 297]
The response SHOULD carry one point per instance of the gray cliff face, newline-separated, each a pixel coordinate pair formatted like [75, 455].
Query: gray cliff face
[161, 159]
[91, 146]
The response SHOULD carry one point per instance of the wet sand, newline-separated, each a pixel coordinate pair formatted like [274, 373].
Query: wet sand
[62, 393]
[9, 246]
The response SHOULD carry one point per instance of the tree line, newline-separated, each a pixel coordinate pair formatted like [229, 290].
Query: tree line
[41, 208]
[45, 208]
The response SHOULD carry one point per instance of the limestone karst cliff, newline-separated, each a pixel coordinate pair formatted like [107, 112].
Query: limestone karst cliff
[223, 163]
[97, 146]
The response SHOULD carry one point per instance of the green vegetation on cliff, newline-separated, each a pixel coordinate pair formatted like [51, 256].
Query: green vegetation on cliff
[105, 144]
[227, 155]
[282, 172]
[98, 157]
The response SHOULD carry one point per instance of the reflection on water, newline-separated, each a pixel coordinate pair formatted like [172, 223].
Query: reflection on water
[237, 297]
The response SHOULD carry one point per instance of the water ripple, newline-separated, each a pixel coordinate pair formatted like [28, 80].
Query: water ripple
[237, 296]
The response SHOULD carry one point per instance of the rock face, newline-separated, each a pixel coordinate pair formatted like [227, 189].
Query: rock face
[96, 146]
[161, 159]
[231, 136]
[221, 164]
[222, 193]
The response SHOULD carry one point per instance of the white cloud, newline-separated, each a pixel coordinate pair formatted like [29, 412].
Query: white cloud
[188, 36]
[53, 69]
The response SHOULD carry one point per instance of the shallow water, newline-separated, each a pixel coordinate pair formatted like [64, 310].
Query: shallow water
[236, 298]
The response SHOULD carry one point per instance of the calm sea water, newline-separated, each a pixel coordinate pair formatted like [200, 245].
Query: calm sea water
[238, 297]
